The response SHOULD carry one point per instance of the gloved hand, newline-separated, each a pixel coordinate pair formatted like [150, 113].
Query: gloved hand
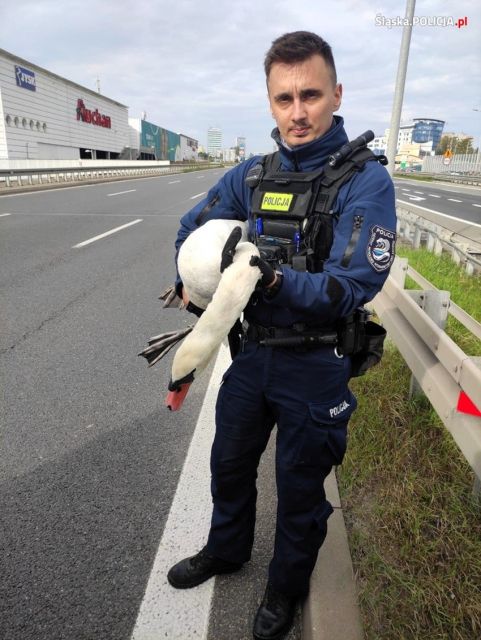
[229, 248]
[268, 273]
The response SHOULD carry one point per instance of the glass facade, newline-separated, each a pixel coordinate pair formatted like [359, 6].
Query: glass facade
[426, 129]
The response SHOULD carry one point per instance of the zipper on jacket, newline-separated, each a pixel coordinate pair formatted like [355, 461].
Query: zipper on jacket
[354, 239]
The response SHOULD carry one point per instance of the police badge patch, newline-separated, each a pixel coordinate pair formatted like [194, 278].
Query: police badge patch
[380, 249]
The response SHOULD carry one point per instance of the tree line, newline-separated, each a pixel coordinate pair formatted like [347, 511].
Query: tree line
[456, 145]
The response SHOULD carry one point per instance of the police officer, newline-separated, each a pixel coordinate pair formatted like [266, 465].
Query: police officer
[304, 391]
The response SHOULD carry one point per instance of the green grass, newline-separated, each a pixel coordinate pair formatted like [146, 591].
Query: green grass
[414, 526]
[465, 291]
[413, 176]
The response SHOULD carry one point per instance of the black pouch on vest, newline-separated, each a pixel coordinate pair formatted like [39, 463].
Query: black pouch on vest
[371, 351]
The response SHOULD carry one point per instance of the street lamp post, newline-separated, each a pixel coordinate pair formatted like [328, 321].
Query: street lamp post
[399, 89]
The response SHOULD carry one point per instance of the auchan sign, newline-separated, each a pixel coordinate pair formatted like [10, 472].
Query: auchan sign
[93, 117]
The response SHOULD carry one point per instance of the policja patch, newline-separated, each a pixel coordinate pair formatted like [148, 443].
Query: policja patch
[380, 249]
[276, 201]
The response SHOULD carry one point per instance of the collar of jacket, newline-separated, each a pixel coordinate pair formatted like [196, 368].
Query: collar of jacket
[310, 156]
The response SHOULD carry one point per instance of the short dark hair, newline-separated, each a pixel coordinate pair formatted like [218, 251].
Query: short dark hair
[298, 46]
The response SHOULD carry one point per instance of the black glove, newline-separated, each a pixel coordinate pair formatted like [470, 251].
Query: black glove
[229, 248]
[268, 273]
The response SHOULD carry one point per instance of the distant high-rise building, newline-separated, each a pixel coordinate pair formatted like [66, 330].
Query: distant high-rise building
[426, 129]
[214, 141]
[420, 131]
[240, 142]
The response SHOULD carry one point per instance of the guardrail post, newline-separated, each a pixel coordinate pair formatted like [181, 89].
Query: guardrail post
[469, 267]
[417, 237]
[407, 231]
[455, 255]
[435, 304]
[430, 242]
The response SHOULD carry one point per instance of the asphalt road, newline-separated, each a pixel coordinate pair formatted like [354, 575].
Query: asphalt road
[459, 201]
[89, 458]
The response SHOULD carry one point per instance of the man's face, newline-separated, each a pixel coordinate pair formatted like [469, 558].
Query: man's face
[303, 98]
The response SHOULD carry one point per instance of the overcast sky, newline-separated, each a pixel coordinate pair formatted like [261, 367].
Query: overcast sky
[191, 64]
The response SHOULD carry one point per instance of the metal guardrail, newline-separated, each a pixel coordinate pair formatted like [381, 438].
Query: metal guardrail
[471, 180]
[457, 179]
[440, 366]
[48, 175]
[455, 238]
[464, 318]
[474, 180]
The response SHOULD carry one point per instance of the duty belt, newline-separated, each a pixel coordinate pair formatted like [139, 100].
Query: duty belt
[288, 337]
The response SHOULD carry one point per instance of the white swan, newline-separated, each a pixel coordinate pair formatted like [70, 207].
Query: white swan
[223, 296]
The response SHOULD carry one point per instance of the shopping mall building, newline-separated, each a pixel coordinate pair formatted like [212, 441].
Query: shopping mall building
[44, 116]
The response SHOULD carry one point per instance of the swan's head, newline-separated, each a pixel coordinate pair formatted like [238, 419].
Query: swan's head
[177, 391]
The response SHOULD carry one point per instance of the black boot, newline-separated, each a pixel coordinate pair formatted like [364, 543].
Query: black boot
[275, 615]
[195, 570]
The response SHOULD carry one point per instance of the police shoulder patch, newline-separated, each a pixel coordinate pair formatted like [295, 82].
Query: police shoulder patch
[380, 248]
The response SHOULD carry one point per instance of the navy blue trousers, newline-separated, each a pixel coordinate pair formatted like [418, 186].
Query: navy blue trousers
[306, 394]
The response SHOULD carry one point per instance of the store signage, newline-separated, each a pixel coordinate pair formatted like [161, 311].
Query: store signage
[93, 117]
[25, 78]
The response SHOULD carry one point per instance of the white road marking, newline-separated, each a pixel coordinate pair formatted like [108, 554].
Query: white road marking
[2, 215]
[476, 205]
[199, 177]
[433, 195]
[416, 198]
[405, 189]
[198, 195]
[420, 192]
[174, 181]
[107, 233]
[445, 215]
[171, 613]
[454, 200]
[119, 193]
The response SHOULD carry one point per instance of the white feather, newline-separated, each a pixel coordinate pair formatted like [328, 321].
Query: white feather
[199, 259]
[224, 296]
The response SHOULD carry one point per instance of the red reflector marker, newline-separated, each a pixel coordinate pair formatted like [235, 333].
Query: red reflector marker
[466, 405]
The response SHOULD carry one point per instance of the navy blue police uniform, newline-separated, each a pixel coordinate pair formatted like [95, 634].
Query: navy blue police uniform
[303, 391]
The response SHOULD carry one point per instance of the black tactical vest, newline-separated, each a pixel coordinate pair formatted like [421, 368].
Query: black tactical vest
[294, 211]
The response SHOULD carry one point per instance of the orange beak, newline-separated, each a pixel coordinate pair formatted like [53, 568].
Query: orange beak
[175, 399]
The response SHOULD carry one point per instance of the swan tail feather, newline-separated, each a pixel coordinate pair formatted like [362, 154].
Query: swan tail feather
[171, 299]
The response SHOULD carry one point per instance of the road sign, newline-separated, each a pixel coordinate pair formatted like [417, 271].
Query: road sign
[446, 160]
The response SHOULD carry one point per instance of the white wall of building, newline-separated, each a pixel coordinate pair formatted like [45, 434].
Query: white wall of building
[135, 128]
[405, 135]
[379, 143]
[3, 137]
[188, 148]
[43, 123]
